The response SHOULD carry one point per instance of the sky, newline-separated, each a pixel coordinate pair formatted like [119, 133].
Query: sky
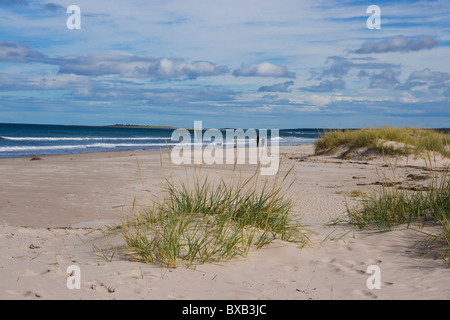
[242, 64]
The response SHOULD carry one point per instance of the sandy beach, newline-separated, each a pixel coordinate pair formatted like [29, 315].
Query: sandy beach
[53, 211]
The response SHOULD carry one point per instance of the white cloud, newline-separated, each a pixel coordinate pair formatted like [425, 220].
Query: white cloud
[263, 69]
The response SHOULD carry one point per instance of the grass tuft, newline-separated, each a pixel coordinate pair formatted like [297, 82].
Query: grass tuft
[199, 221]
[392, 206]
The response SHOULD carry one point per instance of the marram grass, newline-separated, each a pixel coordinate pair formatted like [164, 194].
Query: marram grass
[199, 221]
[407, 141]
[391, 207]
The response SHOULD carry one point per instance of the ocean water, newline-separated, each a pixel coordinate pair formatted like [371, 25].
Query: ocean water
[25, 140]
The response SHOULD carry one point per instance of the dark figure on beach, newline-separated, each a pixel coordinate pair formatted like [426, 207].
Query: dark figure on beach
[257, 140]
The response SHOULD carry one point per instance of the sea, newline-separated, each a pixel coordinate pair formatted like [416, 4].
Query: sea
[28, 140]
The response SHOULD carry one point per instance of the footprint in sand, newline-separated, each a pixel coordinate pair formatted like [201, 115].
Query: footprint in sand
[351, 266]
[291, 268]
[373, 261]
[347, 266]
[365, 294]
[32, 273]
[323, 261]
[100, 287]
[354, 263]
[25, 294]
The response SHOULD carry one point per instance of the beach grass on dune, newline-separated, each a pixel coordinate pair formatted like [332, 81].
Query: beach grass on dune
[407, 141]
[199, 221]
[392, 206]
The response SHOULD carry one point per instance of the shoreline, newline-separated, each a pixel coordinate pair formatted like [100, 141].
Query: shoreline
[164, 150]
[103, 181]
[54, 210]
[116, 173]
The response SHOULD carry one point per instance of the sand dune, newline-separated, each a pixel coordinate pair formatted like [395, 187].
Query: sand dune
[52, 211]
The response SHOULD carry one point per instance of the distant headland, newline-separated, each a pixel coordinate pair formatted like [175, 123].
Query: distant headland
[140, 126]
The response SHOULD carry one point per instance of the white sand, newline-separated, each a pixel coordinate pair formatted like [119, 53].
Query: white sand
[51, 211]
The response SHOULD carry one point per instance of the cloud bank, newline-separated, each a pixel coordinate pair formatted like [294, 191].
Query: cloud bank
[263, 69]
[398, 43]
[126, 65]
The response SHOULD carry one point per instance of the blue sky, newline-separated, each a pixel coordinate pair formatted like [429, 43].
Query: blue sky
[248, 63]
